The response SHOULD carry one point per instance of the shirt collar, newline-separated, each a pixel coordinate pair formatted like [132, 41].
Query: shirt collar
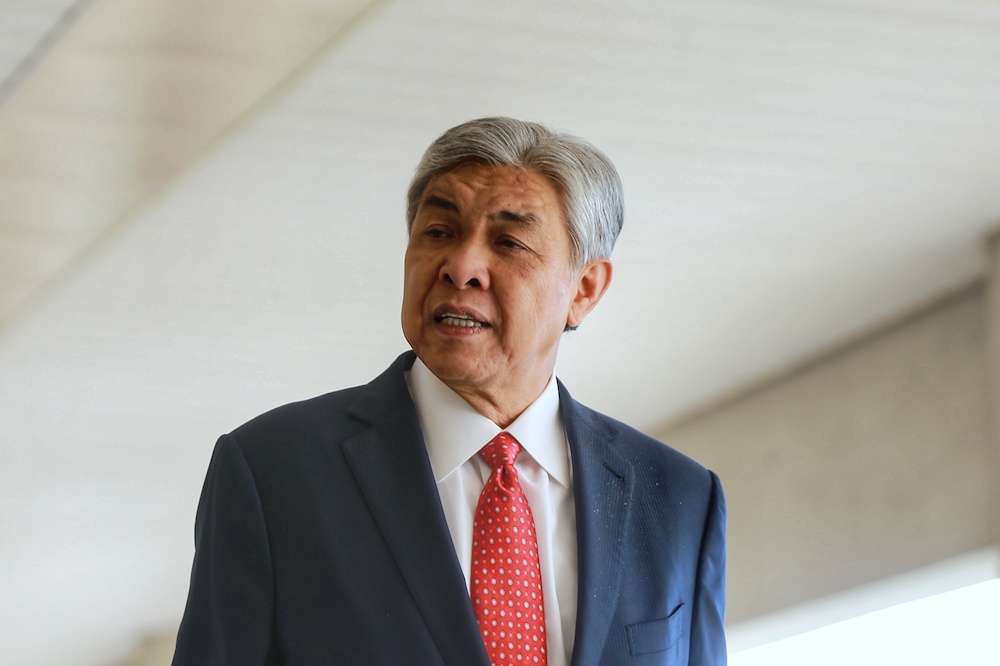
[454, 431]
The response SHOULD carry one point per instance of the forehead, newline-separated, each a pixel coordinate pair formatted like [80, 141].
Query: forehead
[497, 187]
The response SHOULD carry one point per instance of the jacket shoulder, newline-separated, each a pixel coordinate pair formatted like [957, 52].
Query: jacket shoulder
[301, 415]
[650, 457]
[643, 444]
[330, 417]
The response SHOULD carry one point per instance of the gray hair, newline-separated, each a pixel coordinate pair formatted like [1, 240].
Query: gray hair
[588, 182]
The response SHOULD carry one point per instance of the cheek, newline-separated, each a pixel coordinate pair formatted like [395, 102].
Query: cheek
[412, 291]
[557, 287]
[418, 268]
[414, 274]
[544, 306]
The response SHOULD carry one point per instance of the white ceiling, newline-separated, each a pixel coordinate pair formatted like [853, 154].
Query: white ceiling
[796, 173]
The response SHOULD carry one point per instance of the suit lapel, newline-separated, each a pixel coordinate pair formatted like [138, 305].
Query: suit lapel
[602, 489]
[390, 463]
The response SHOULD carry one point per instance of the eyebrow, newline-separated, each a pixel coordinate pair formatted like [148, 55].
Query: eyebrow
[440, 203]
[523, 219]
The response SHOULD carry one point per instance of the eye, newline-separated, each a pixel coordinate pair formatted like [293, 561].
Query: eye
[509, 243]
[436, 232]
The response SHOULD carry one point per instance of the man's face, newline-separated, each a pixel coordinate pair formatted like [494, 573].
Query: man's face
[490, 281]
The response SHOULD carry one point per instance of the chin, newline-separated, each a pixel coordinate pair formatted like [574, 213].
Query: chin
[451, 369]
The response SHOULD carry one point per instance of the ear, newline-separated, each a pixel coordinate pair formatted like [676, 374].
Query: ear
[592, 281]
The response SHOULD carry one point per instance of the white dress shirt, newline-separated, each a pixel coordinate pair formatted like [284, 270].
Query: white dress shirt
[454, 433]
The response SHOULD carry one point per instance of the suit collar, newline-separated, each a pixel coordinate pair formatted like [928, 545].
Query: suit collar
[454, 431]
[390, 463]
[603, 486]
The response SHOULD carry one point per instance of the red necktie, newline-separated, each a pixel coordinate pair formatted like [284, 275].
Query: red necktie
[506, 586]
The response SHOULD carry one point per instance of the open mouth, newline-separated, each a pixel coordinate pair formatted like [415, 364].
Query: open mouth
[460, 320]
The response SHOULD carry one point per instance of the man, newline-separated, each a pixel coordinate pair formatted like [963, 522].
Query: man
[358, 527]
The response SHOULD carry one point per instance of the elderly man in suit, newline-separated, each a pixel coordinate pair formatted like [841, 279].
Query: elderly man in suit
[463, 508]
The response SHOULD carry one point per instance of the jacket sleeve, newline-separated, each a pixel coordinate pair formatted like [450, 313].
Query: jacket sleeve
[708, 638]
[228, 618]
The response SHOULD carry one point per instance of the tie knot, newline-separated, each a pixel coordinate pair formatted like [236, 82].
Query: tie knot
[502, 450]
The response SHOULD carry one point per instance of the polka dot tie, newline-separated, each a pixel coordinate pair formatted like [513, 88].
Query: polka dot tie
[506, 586]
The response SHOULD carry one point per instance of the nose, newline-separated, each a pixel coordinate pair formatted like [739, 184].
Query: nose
[467, 266]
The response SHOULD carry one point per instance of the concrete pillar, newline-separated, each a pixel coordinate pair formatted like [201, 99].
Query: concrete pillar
[876, 460]
[992, 321]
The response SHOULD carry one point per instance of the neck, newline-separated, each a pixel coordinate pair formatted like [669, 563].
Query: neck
[502, 408]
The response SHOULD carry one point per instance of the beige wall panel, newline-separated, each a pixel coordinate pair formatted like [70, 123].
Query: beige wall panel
[870, 462]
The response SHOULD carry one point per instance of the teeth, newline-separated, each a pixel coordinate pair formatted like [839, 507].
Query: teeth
[464, 321]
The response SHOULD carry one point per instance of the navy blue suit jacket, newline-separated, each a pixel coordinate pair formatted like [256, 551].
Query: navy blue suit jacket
[320, 539]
